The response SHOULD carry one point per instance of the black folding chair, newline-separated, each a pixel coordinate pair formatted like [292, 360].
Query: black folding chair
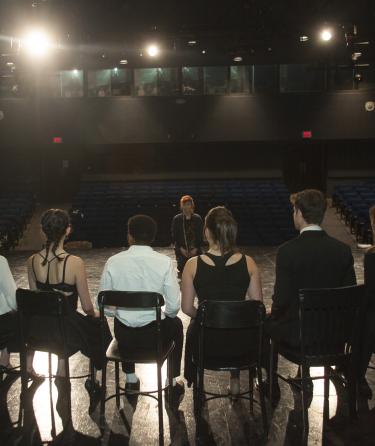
[232, 316]
[136, 301]
[329, 332]
[49, 304]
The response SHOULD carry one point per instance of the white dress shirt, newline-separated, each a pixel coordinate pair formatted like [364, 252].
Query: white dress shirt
[140, 268]
[7, 288]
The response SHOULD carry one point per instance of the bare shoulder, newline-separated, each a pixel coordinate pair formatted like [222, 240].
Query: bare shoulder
[76, 261]
[251, 265]
[191, 265]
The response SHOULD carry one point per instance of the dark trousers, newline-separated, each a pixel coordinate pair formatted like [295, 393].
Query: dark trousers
[9, 333]
[367, 344]
[181, 260]
[142, 339]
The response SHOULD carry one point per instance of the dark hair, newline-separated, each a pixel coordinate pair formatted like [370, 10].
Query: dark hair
[143, 229]
[54, 222]
[312, 204]
[223, 228]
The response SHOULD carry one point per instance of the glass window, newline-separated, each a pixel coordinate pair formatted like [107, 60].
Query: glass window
[266, 78]
[14, 85]
[72, 83]
[215, 80]
[51, 85]
[239, 79]
[367, 81]
[341, 78]
[99, 83]
[121, 82]
[167, 81]
[191, 80]
[145, 81]
[295, 77]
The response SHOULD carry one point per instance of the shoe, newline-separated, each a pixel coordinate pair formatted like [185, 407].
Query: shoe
[132, 388]
[177, 392]
[36, 377]
[276, 394]
[364, 389]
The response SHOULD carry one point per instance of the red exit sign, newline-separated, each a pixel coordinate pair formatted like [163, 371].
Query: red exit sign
[57, 140]
[307, 134]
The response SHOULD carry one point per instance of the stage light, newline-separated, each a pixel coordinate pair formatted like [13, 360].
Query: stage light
[303, 38]
[37, 43]
[123, 62]
[326, 35]
[237, 59]
[203, 51]
[115, 69]
[75, 72]
[153, 50]
[192, 42]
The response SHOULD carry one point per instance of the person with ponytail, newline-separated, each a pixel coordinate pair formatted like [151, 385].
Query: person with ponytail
[53, 269]
[221, 273]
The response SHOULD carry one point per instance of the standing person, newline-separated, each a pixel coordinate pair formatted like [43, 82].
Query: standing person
[53, 269]
[368, 340]
[187, 232]
[311, 260]
[220, 274]
[140, 268]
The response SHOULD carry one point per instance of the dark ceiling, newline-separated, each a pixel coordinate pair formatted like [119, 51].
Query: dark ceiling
[266, 30]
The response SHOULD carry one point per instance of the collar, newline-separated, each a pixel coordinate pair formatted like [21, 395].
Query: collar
[311, 228]
[139, 248]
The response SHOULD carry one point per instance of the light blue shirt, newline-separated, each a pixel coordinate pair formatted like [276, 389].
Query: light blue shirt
[7, 288]
[140, 268]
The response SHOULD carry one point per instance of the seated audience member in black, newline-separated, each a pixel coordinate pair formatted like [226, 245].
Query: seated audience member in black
[368, 342]
[220, 274]
[53, 269]
[187, 232]
[140, 268]
[312, 260]
[8, 315]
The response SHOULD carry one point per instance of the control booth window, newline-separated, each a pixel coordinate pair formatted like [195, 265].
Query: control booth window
[215, 80]
[192, 81]
[167, 82]
[99, 83]
[72, 83]
[266, 78]
[121, 82]
[146, 81]
[300, 77]
[239, 79]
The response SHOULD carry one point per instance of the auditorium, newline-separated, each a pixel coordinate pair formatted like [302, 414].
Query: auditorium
[187, 222]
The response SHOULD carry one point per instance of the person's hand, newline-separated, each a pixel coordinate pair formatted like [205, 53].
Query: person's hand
[96, 314]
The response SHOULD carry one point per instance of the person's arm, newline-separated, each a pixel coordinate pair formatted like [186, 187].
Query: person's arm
[106, 284]
[173, 230]
[83, 288]
[349, 275]
[171, 292]
[30, 273]
[283, 290]
[255, 287]
[7, 284]
[187, 288]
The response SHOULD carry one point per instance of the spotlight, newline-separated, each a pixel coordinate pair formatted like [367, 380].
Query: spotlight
[303, 38]
[115, 69]
[192, 42]
[326, 35]
[75, 72]
[203, 51]
[123, 62]
[237, 59]
[37, 43]
[153, 50]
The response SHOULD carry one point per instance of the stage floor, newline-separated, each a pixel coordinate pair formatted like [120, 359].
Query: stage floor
[226, 423]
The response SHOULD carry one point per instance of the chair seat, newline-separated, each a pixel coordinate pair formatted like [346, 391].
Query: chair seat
[141, 356]
[220, 363]
[294, 355]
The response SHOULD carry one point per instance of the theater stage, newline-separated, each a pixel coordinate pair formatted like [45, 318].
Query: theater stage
[227, 423]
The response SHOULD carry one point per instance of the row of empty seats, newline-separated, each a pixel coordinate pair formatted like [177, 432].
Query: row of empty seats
[16, 209]
[353, 202]
[100, 210]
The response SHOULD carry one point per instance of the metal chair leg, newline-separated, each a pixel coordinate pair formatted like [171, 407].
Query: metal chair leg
[352, 389]
[305, 418]
[103, 395]
[117, 383]
[170, 381]
[200, 390]
[251, 391]
[262, 401]
[270, 372]
[53, 428]
[160, 407]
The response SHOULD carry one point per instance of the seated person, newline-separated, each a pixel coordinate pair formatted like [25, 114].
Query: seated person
[140, 268]
[368, 343]
[187, 232]
[53, 269]
[220, 274]
[8, 315]
[312, 260]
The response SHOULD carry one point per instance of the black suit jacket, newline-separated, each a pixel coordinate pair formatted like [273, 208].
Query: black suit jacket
[312, 260]
[177, 231]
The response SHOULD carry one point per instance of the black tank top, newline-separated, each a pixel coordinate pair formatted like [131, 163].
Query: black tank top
[221, 282]
[69, 289]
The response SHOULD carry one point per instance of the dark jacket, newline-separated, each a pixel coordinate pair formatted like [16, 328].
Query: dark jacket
[369, 265]
[312, 260]
[177, 230]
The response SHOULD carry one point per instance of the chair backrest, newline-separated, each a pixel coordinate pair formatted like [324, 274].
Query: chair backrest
[130, 299]
[330, 319]
[51, 305]
[230, 329]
